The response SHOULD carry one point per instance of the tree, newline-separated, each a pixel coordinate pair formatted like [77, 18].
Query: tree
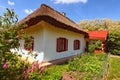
[113, 41]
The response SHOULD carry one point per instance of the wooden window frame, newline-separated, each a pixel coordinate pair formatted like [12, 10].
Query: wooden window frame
[30, 41]
[62, 43]
[76, 44]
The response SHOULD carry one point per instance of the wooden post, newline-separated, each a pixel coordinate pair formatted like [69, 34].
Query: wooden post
[103, 46]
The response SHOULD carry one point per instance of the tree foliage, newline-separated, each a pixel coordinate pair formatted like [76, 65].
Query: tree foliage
[113, 41]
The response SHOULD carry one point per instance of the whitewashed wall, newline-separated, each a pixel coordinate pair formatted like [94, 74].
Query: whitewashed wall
[51, 35]
[45, 38]
[37, 32]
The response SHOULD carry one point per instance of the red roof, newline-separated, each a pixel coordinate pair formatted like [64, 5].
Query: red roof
[101, 34]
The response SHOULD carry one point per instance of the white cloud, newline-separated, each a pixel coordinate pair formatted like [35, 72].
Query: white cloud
[11, 3]
[28, 11]
[69, 1]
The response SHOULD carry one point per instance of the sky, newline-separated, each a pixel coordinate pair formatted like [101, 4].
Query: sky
[76, 10]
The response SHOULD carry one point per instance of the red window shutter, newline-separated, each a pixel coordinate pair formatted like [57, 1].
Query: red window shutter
[32, 45]
[57, 49]
[79, 44]
[74, 45]
[62, 45]
[66, 44]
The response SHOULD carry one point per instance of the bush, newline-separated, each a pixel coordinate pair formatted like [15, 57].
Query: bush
[113, 42]
[91, 48]
[115, 52]
[89, 66]
[102, 56]
[54, 72]
[11, 67]
[34, 76]
[96, 44]
[10, 64]
[85, 63]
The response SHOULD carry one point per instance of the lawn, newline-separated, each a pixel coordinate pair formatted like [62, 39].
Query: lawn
[54, 72]
[114, 69]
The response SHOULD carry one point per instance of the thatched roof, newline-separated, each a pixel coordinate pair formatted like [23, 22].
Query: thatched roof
[53, 17]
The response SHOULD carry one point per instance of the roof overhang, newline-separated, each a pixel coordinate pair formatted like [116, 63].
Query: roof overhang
[98, 35]
[33, 21]
[48, 14]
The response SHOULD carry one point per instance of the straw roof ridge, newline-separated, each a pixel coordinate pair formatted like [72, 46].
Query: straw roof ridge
[57, 12]
[50, 15]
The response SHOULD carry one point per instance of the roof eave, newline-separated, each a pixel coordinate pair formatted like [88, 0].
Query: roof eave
[35, 20]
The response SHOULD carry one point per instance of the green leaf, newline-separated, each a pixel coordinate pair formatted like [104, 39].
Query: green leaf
[1, 45]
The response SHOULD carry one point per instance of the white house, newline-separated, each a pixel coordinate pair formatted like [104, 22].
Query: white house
[54, 35]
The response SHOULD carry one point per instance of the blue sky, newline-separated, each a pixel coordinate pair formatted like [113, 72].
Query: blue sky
[76, 10]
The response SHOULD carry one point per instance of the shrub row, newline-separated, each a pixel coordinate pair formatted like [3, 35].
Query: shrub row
[89, 67]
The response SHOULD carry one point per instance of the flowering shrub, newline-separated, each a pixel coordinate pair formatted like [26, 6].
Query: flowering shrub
[12, 67]
[5, 66]
[34, 71]
[9, 63]
[9, 67]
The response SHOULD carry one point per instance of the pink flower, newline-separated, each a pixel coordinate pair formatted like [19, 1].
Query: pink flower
[29, 70]
[3, 59]
[42, 69]
[5, 66]
[33, 67]
[10, 40]
[37, 65]
[17, 36]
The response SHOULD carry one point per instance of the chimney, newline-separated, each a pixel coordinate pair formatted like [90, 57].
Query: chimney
[63, 13]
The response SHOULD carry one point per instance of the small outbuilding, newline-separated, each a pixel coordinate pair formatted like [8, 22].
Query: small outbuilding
[99, 35]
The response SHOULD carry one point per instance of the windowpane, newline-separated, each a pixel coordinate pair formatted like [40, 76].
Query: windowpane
[61, 44]
[29, 44]
[76, 44]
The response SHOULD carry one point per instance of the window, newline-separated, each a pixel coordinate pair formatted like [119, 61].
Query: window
[76, 44]
[29, 44]
[62, 44]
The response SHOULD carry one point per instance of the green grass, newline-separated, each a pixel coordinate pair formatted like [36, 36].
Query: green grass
[54, 72]
[114, 69]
